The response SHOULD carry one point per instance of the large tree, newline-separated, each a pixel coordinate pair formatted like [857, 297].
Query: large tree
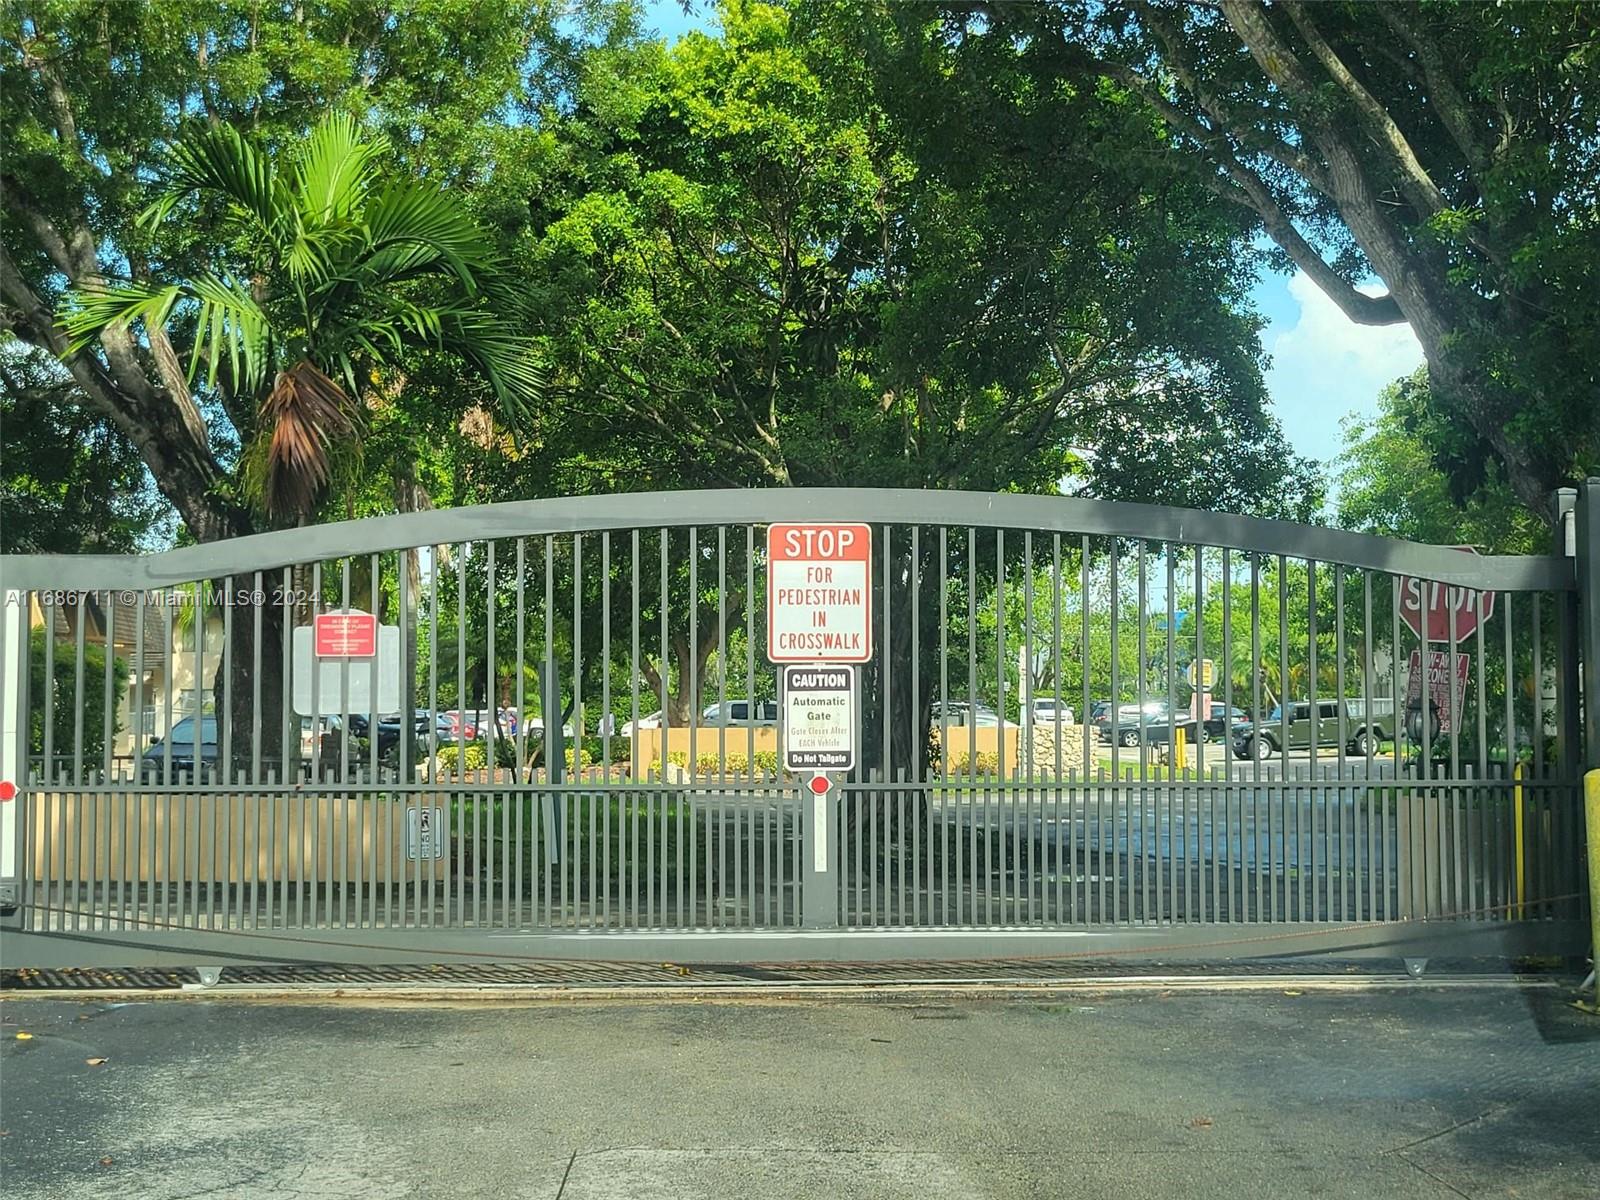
[95, 92]
[772, 270]
[1449, 149]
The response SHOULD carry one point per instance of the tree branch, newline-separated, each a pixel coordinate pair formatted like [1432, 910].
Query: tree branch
[1419, 185]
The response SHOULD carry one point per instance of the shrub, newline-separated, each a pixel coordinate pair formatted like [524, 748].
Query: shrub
[469, 756]
[64, 696]
[986, 763]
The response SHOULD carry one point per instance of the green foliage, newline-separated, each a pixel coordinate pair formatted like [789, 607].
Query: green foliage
[463, 756]
[759, 266]
[1390, 483]
[764, 762]
[70, 482]
[66, 703]
[333, 273]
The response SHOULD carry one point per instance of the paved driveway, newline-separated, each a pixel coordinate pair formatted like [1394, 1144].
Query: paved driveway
[1424, 1093]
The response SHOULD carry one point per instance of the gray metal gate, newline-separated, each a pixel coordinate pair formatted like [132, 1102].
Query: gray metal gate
[583, 758]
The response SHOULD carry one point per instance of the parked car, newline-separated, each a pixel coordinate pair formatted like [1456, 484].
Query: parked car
[953, 714]
[1222, 719]
[154, 762]
[1046, 712]
[1364, 725]
[740, 712]
[1126, 731]
[648, 721]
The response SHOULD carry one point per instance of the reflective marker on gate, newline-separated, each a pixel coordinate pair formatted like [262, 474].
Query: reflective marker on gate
[8, 790]
[819, 786]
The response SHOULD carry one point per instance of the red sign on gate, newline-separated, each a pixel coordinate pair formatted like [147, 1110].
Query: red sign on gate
[345, 635]
[1447, 687]
[1431, 609]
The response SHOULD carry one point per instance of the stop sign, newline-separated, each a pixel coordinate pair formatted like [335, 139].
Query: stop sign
[1433, 610]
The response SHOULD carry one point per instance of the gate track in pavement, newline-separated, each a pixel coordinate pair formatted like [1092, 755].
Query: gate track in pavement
[563, 981]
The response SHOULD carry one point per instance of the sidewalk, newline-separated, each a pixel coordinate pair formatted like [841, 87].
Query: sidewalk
[1426, 1093]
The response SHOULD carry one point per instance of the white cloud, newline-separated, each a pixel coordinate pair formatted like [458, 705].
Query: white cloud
[1325, 366]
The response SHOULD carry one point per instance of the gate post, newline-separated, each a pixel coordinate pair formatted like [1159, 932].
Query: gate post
[13, 754]
[1585, 549]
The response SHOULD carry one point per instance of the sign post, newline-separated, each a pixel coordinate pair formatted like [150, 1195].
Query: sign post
[819, 735]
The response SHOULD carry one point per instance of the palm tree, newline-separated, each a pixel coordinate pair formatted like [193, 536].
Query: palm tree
[332, 274]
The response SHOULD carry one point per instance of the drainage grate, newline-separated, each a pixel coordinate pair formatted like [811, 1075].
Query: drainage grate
[558, 974]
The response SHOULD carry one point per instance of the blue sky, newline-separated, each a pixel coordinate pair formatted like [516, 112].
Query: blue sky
[1324, 365]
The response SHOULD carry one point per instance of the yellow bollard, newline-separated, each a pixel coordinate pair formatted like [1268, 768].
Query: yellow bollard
[1180, 751]
[1521, 859]
[1591, 813]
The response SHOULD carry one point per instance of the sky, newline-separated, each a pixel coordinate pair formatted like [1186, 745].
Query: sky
[1324, 366]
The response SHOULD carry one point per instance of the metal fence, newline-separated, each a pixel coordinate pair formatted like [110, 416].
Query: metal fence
[577, 753]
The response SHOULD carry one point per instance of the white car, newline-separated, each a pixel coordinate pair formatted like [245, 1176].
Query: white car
[1045, 712]
[649, 721]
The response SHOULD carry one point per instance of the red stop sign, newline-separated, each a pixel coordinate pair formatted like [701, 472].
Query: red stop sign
[1433, 610]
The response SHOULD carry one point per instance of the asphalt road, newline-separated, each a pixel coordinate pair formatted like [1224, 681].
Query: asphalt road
[1426, 1094]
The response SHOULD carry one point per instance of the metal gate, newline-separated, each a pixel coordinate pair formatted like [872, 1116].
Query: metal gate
[550, 729]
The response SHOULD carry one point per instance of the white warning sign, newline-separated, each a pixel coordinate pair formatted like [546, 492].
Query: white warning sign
[819, 718]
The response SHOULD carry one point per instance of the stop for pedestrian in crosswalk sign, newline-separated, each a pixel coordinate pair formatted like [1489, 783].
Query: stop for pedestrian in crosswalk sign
[819, 593]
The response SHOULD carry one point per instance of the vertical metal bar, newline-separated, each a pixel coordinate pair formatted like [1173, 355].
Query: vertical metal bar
[947, 834]
[633, 726]
[606, 721]
[1306, 838]
[1147, 810]
[693, 688]
[433, 796]
[492, 734]
[1231, 862]
[1000, 704]
[1057, 914]
[1118, 797]
[1405, 868]
[1480, 799]
[1081, 799]
[138, 797]
[1457, 845]
[756, 797]
[913, 722]
[1177, 850]
[1202, 713]
[1338, 820]
[583, 866]
[717, 838]
[1024, 799]
[1509, 836]
[666, 723]
[1362, 799]
[1285, 707]
[1257, 724]
[972, 728]
[1534, 818]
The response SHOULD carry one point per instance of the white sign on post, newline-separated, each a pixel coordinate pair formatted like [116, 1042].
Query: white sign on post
[819, 593]
[346, 659]
[819, 718]
[424, 833]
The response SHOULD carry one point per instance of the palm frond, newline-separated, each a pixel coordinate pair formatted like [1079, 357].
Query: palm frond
[412, 226]
[228, 319]
[303, 418]
[509, 360]
[221, 161]
[333, 173]
[94, 308]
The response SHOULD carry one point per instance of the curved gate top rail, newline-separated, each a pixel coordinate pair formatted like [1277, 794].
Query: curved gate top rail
[907, 506]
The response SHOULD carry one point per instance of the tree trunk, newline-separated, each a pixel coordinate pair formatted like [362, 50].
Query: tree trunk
[897, 818]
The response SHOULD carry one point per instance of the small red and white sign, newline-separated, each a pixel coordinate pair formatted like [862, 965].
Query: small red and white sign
[819, 593]
[345, 634]
[1430, 609]
[1446, 688]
